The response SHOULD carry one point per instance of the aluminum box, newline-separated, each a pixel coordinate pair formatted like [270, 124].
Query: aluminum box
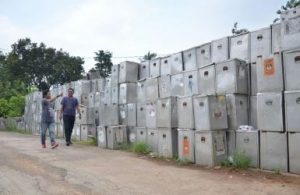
[291, 61]
[152, 140]
[144, 70]
[294, 152]
[185, 113]
[176, 61]
[155, 67]
[269, 73]
[269, 111]
[190, 59]
[253, 79]
[220, 50]
[260, 43]
[167, 142]
[253, 111]
[177, 85]
[110, 115]
[164, 83]
[116, 137]
[273, 151]
[87, 116]
[115, 74]
[141, 115]
[107, 91]
[165, 66]
[141, 134]
[231, 143]
[240, 47]
[141, 91]
[186, 145]
[167, 112]
[237, 110]
[210, 147]
[115, 93]
[128, 72]
[290, 32]
[247, 143]
[190, 83]
[210, 112]
[292, 109]
[132, 135]
[203, 55]
[128, 93]
[151, 89]
[127, 114]
[102, 137]
[276, 37]
[231, 77]
[151, 115]
[207, 77]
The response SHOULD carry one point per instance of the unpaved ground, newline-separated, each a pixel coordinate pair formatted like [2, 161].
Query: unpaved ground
[26, 168]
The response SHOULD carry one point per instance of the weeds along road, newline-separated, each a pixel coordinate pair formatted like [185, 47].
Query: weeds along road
[26, 168]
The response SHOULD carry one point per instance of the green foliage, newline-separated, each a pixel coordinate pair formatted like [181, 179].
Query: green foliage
[16, 106]
[104, 64]
[36, 64]
[141, 148]
[289, 5]
[149, 56]
[237, 31]
[4, 108]
[240, 161]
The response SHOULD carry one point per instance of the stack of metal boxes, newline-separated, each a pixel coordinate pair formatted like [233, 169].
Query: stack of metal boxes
[33, 112]
[198, 103]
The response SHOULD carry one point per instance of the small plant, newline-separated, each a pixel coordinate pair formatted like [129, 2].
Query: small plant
[241, 161]
[126, 147]
[90, 142]
[183, 162]
[226, 163]
[141, 148]
[276, 171]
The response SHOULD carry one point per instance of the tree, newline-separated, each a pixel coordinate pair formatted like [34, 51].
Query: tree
[104, 64]
[237, 31]
[35, 64]
[149, 56]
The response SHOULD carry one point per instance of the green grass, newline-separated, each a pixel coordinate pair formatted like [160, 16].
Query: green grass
[89, 142]
[239, 161]
[12, 126]
[141, 148]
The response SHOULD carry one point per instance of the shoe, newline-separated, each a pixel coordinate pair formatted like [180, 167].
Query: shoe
[43, 145]
[68, 144]
[54, 145]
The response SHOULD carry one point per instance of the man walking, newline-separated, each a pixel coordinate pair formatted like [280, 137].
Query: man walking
[68, 113]
[48, 121]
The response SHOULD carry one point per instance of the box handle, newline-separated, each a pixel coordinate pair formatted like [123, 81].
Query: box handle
[141, 132]
[297, 59]
[225, 68]
[164, 136]
[201, 104]
[154, 64]
[298, 100]
[176, 59]
[239, 42]
[241, 102]
[219, 46]
[166, 61]
[163, 105]
[189, 55]
[190, 76]
[185, 137]
[184, 104]
[246, 140]
[202, 51]
[141, 108]
[203, 139]
[205, 73]
[259, 37]
[144, 67]
[269, 102]
[152, 133]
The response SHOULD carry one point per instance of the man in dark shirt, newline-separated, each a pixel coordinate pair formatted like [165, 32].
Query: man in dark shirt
[68, 113]
[48, 121]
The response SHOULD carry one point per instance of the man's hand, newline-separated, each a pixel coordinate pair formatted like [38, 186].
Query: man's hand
[79, 115]
[60, 116]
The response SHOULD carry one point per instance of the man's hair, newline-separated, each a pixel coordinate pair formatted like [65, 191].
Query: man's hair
[71, 89]
[45, 92]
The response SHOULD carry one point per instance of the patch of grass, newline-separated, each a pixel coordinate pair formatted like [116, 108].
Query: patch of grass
[126, 147]
[276, 171]
[239, 160]
[11, 125]
[183, 162]
[89, 142]
[141, 148]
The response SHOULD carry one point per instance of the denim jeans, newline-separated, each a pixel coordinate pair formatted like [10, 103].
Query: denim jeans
[51, 128]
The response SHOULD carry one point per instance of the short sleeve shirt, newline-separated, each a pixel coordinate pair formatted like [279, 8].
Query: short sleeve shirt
[47, 111]
[69, 105]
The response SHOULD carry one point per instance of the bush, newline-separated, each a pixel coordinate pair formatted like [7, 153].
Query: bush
[239, 160]
[16, 106]
[4, 108]
[141, 148]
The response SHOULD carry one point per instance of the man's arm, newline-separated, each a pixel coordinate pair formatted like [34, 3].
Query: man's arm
[61, 110]
[54, 98]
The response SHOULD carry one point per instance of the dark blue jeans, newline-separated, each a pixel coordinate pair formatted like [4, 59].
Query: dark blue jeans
[68, 126]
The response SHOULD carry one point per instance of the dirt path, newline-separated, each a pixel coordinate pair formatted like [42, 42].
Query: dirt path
[26, 168]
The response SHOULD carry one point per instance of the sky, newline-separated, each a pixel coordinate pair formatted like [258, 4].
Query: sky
[128, 28]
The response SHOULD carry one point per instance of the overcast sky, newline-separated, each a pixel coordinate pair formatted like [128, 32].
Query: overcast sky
[128, 27]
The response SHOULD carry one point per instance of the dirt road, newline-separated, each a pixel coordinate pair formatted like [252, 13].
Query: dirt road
[26, 168]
